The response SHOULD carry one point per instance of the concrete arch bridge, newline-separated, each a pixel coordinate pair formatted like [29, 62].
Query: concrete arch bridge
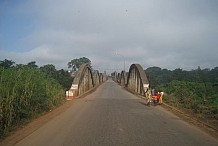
[86, 79]
[135, 80]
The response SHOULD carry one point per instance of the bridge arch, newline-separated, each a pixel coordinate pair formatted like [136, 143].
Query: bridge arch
[96, 77]
[101, 77]
[104, 77]
[114, 76]
[83, 81]
[137, 80]
[118, 78]
[123, 78]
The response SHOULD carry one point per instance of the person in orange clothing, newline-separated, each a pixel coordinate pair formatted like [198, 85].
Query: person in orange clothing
[155, 99]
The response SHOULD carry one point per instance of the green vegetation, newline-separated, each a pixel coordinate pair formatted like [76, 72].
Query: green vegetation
[63, 77]
[26, 91]
[76, 63]
[195, 90]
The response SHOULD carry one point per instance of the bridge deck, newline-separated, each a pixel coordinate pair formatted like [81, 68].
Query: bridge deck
[113, 116]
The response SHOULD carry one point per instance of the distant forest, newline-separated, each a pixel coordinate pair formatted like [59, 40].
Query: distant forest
[195, 90]
[158, 76]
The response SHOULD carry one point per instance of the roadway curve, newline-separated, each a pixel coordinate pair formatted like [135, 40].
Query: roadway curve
[111, 116]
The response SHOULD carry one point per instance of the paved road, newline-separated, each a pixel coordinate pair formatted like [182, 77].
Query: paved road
[111, 116]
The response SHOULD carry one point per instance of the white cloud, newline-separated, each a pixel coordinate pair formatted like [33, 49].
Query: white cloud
[169, 34]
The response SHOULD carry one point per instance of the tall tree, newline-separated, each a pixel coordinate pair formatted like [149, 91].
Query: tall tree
[76, 63]
[32, 64]
[49, 69]
[62, 76]
[7, 63]
[214, 75]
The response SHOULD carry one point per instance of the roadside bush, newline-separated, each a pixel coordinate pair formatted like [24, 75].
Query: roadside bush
[200, 98]
[24, 94]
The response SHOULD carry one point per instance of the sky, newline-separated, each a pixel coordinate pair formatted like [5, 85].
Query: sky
[113, 34]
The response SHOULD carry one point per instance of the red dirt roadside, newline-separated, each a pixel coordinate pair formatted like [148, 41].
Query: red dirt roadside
[20, 133]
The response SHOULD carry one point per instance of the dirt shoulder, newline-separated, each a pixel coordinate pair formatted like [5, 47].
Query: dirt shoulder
[25, 130]
[189, 117]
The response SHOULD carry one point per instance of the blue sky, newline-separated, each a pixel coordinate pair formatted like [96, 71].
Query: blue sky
[169, 34]
[14, 25]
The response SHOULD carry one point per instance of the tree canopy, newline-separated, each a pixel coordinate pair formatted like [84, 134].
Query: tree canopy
[76, 63]
[6, 63]
[158, 76]
[49, 70]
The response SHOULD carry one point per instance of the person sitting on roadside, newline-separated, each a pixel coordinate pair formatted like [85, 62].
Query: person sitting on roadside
[148, 97]
[155, 99]
[161, 97]
[158, 97]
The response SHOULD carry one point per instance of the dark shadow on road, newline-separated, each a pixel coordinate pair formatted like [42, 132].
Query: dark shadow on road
[151, 104]
[143, 103]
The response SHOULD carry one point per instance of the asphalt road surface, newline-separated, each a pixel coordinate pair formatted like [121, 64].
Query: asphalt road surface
[111, 116]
